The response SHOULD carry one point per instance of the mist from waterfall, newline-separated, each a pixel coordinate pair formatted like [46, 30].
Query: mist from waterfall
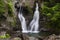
[34, 24]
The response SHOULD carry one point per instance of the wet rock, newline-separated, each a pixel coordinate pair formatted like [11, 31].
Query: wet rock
[32, 38]
[53, 37]
[16, 38]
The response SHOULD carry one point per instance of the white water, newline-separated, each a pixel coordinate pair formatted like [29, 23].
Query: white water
[23, 22]
[34, 23]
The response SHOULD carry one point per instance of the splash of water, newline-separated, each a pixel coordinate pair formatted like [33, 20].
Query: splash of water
[34, 23]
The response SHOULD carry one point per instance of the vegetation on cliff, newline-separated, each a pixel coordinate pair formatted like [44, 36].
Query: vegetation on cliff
[51, 9]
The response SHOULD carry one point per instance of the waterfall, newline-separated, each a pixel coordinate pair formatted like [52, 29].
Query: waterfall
[23, 22]
[34, 24]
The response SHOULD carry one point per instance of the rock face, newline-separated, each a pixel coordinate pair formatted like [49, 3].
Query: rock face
[16, 38]
[30, 2]
[32, 38]
[53, 37]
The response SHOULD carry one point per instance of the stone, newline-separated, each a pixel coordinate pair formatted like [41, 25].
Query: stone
[53, 37]
[16, 38]
[32, 38]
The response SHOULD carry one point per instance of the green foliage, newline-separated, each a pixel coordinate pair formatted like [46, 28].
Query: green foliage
[53, 14]
[2, 7]
[6, 6]
[10, 8]
[5, 36]
[2, 10]
[56, 7]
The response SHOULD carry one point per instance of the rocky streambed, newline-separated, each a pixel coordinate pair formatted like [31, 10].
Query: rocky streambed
[28, 37]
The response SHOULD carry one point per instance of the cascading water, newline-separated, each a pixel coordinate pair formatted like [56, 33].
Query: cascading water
[34, 23]
[23, 22]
